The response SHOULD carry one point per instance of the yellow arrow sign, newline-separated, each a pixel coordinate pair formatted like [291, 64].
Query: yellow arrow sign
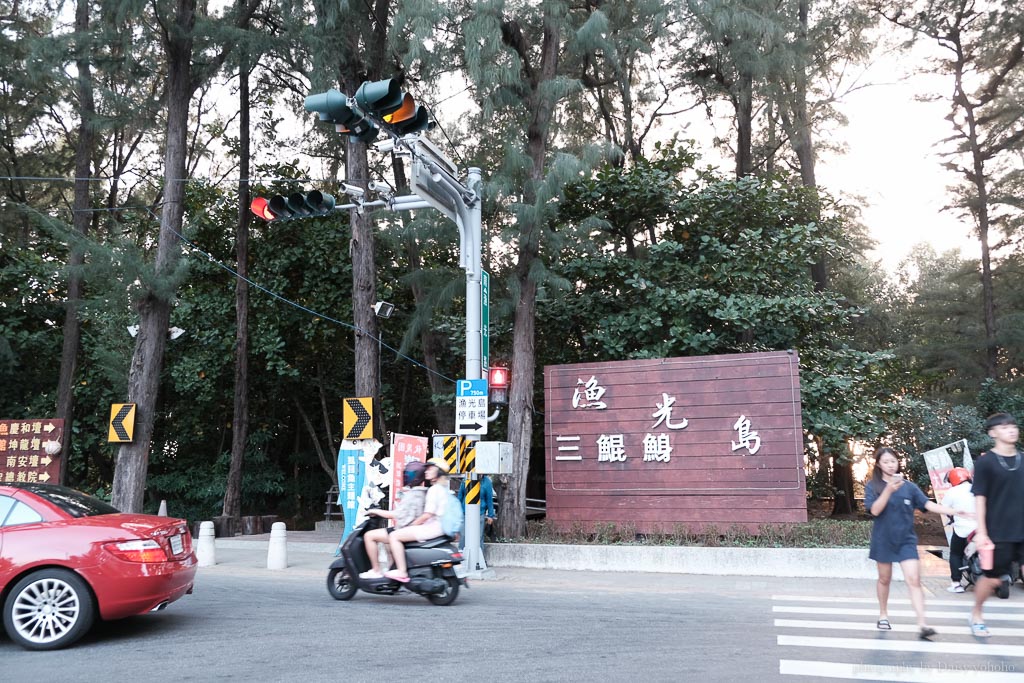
[122, 423]
[357, 418]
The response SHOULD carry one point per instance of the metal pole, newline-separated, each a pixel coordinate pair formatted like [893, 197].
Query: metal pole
[474, 345]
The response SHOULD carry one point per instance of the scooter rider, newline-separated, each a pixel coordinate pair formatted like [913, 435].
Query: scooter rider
[408, 509]
[959, 497]
[427, 525]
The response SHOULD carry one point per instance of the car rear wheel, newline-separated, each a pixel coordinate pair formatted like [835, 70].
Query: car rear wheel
[48, 609]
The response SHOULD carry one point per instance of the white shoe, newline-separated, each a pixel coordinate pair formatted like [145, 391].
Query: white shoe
[955, 588]
[370, 574]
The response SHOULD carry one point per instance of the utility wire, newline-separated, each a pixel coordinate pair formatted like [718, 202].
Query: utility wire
[277, 296]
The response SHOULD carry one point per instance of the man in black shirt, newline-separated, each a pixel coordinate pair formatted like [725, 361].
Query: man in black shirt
[999, 500]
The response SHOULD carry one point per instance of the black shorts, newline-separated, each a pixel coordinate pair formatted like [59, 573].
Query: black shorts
[1006, 554]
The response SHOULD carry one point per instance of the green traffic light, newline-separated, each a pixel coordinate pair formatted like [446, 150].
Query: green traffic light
[380, 97]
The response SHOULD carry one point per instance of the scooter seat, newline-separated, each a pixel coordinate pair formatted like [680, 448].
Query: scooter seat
[430, 542]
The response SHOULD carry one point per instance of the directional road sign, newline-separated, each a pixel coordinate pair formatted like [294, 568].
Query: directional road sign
[30, 450]
[471, 406]
[122, 423]
[357, 418]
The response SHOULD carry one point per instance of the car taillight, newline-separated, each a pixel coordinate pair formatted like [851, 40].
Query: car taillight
[146, 550]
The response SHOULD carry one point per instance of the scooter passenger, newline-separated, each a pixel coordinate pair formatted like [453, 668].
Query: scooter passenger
[408, 509]
[962, 498]
[427, 525]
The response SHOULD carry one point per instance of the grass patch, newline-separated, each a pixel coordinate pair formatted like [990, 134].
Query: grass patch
[819, 533]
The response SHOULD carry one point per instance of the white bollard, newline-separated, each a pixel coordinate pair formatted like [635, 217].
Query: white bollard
[162, 512]
[206, 549]
[277, 551]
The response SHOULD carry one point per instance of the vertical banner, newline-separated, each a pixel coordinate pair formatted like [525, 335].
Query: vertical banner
[403, 449]
[939, 462]
[354, 493]
[351, 475]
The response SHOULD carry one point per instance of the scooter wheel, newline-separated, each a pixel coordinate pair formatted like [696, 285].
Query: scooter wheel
[340, 584]
[451, 591]
[1004, 589]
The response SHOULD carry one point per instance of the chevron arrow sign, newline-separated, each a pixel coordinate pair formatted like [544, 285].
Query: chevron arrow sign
[357, 418]
[122, 423]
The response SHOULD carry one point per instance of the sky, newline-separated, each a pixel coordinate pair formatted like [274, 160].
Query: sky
[892, 162]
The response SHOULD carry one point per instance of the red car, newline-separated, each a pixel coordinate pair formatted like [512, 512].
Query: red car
[67, 558]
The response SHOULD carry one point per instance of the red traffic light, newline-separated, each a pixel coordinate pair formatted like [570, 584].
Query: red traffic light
[497, 378]
[261, 207]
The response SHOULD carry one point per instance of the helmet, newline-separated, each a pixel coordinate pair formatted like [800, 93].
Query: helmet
[414, 473]
[957, 476]
[440, 464]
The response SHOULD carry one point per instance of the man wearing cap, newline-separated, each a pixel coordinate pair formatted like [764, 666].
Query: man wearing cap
[427, 525]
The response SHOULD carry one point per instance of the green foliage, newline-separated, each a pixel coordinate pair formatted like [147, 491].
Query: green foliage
[819, 533]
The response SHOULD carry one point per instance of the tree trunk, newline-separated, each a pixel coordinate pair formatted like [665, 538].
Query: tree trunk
[364, 293]
[979, 208]
[842, 484]
[744, 126]
[240, 421]
[154, 305]
[80, 223]
[430, 341]
[512, 520]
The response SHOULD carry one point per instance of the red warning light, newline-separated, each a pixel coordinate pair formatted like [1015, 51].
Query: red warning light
[261, 207]
[498, 378]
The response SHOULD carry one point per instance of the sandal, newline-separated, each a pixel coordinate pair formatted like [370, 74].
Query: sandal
[978, 628]
[395, 576]
[926, 633]
[884, 625]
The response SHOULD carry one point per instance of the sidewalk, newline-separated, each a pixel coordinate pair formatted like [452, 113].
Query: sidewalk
[311, 552]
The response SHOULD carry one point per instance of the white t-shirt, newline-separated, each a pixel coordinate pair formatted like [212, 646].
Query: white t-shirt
[960, 498]
[437, 498]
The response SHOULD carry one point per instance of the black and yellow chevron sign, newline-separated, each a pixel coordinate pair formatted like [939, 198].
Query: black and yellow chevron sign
[468, 459]
[472, 491]
[450, 451]
[357, 418]
[122, 423]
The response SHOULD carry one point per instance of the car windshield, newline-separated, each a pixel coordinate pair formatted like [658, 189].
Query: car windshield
[73, 502]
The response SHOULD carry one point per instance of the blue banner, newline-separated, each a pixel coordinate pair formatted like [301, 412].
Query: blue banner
[351, 479]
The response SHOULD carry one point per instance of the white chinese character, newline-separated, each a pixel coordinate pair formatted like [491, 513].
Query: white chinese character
[589, 396]
[610, 448]
[742, 427]
[657, 448]
[664, 414]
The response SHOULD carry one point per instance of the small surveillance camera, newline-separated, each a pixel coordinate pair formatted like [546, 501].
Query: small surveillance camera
[353, 190]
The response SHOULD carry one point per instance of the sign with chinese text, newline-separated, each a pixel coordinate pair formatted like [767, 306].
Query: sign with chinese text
[712, 440]
[403, 449]
[30, 450]
[471, 406]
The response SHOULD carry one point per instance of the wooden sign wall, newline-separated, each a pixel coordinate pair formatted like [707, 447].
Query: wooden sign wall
[690, 442]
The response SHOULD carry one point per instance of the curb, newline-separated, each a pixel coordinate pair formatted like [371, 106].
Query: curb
[835, 563]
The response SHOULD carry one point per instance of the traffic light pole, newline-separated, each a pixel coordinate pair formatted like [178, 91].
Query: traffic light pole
[434, 184]
[471, 236]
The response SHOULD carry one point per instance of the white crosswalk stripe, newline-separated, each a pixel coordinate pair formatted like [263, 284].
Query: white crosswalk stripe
[832, 637]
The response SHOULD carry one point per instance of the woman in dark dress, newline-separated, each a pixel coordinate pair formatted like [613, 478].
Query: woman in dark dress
[892, 500]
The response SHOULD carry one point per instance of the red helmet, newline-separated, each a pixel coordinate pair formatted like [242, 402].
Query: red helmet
[958, 475]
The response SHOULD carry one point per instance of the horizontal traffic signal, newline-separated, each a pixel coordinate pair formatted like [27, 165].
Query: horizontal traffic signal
[295, 205]
[376, 103]
[335, 107]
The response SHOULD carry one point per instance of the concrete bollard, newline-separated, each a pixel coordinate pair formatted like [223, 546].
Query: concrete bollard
[162, 512]
[277, 550]
[206, 549]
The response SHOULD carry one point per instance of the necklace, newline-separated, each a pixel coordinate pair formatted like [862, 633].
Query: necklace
[1016, 462]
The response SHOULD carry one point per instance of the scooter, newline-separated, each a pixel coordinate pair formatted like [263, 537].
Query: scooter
[972, 569]
[431, 567]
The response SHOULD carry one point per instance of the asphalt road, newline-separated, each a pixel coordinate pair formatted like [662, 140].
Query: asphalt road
[530, 626]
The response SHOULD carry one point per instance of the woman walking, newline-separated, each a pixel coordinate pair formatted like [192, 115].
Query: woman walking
[891, 500]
